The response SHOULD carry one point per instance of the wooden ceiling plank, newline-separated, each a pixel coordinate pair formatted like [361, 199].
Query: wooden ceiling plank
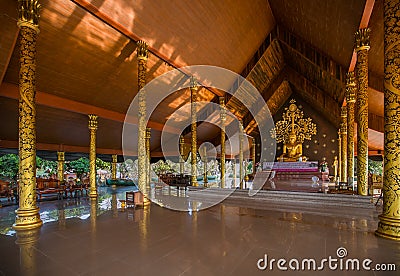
[93, 10]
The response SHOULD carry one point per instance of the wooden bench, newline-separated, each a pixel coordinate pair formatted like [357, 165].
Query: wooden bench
[48, 187]
[74, 189]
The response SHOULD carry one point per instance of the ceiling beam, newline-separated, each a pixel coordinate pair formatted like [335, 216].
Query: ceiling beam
[369, 6]
[11, 91]
[14, 42]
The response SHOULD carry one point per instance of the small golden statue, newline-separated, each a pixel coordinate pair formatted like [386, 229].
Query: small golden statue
[335, 166]
[292, 131]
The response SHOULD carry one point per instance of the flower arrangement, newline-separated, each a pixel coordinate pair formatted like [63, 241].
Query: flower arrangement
[323, 166]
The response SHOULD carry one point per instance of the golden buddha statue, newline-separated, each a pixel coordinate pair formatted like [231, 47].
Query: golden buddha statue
[292, 130]
[292, 150]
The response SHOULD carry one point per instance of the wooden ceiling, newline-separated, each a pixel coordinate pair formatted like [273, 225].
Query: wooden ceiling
[86, 60]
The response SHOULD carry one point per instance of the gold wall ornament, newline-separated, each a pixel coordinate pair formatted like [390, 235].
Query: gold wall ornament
[292, 130]
[350, 102]
[27, 215]
[389, 220]
[193, 92]
[241, 140]
[223, 121]
[60, 166]
[114, 167]
[181, 150]
[142, 55]
[362, 47]
[92, 155]
[28, 14]
[343, 132]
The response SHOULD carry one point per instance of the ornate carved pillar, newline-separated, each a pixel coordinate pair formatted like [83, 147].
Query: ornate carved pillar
[92, 155]
[142, 56]
[193, 93]
[148, 159]
[181, 150]
[340, 156]
[223, 120]
[343, 132]
[114, 167]
[253, 154]
[241, 138]
[60, 166]
[389, 220]
[362, 47]
[28, 21]
[350, 101]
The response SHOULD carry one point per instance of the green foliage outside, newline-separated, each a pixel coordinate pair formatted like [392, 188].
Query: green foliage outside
[9, 166]
[45, 168]
[375, 167]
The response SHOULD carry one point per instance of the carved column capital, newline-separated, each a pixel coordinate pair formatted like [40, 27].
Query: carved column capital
[114, 158]
[28, 14]
[142, 50]
[92, 122]
[60, 156]
[343, 112]
[362, 39]
[148, 132]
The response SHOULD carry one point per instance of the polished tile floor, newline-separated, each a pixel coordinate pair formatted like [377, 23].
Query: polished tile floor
[80, 237]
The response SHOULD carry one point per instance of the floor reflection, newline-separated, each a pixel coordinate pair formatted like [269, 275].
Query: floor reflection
[62, 210]
[84, 237]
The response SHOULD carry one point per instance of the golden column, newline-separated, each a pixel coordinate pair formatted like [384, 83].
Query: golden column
[148, 159]
[193, 93]
[28, 21]
[343, 132]
[340, 157]
[362, 47]
[92, 155]
[60, 166]
[241, 138]
[389, 220]
[181, 150]
[253, 154]
[114, 167]
[142, 56]
[350, 101]
[223, 120]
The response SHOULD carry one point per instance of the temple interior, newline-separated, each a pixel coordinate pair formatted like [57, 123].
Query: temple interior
[199, 138]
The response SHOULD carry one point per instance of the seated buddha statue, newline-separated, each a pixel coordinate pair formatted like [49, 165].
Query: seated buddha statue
[292, 150]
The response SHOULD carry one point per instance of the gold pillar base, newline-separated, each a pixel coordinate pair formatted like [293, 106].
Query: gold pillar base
[27, 219]
[389, 228]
